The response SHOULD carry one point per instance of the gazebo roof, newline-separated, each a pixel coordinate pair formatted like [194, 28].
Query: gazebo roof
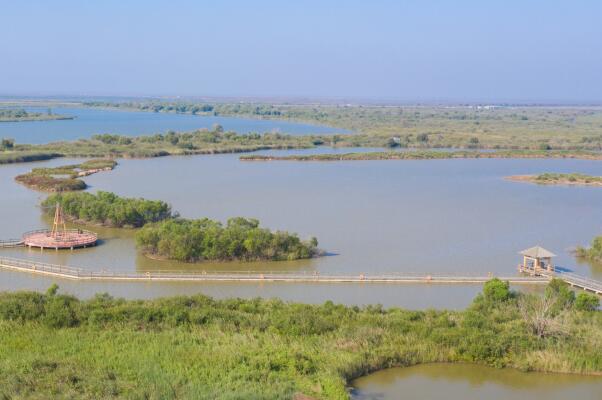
[537, 252]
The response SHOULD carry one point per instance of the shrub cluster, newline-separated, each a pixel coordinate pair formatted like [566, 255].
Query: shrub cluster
[594, 252]
[109, 209]
[204, 239]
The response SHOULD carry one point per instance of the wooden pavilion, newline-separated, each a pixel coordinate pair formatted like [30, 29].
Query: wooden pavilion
[536, 259]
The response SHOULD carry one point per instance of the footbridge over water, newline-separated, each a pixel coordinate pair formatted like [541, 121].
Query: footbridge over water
[65, 272]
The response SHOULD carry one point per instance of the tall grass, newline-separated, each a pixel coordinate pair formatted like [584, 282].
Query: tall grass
[196, 347]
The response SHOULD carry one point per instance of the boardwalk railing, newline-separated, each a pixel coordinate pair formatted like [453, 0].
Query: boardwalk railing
[66, 272]
[11, 243]
[578, 281]
[250, 276]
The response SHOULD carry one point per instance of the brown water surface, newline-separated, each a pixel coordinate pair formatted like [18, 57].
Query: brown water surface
[432, 216]
[473, 382]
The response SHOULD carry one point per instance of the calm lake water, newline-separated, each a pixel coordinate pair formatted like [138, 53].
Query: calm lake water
[468, 382]
[435, 216]
[90, 121]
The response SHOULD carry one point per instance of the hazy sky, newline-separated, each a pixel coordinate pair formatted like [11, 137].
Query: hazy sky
[455, 50]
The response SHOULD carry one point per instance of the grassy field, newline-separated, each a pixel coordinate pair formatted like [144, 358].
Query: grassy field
[196, 347]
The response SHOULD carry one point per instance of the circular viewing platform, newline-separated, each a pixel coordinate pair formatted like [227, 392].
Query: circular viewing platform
[68, 239]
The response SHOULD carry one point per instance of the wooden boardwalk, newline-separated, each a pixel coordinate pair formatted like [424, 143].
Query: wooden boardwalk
[577, 281]
[11, 243]
[581, 282]
[65, 272]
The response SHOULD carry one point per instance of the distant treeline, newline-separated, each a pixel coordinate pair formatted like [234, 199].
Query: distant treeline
[16, 115]
[453, 126]
[202, 141]
[204, 239]
[426, 155]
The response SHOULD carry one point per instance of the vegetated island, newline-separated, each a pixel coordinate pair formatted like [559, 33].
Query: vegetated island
[426, 155]
[593, 253]
[64, 178]
[216, 141]
[21, 115]
[487, 126]
[203, 141]
[559, 179]
[241, 239]
[164, 235]
[55, 345]
[108, 209]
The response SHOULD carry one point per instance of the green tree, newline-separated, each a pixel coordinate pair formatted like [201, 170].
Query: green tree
[496, 290]
[587, 302]
[560, 293]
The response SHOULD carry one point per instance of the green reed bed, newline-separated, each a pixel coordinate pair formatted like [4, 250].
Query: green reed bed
[57, 346]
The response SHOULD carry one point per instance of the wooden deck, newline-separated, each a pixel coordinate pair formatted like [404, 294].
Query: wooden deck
[68, 239]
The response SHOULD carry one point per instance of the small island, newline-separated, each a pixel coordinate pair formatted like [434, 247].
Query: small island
[64, 178]
[108, 209]
[21, 115]
[559, 179]
[241, 239]
[592, 253]
[164, 235]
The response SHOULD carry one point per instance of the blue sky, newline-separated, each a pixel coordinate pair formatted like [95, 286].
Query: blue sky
[406, 50]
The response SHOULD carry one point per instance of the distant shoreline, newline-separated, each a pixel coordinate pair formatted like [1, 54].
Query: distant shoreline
[33, 119]
[429, 155]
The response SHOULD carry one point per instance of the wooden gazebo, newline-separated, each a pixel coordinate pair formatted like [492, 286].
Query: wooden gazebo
[536, 259]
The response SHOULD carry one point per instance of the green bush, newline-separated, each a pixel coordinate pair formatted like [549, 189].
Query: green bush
[587, 302]
[561, 293]
[496, 290]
